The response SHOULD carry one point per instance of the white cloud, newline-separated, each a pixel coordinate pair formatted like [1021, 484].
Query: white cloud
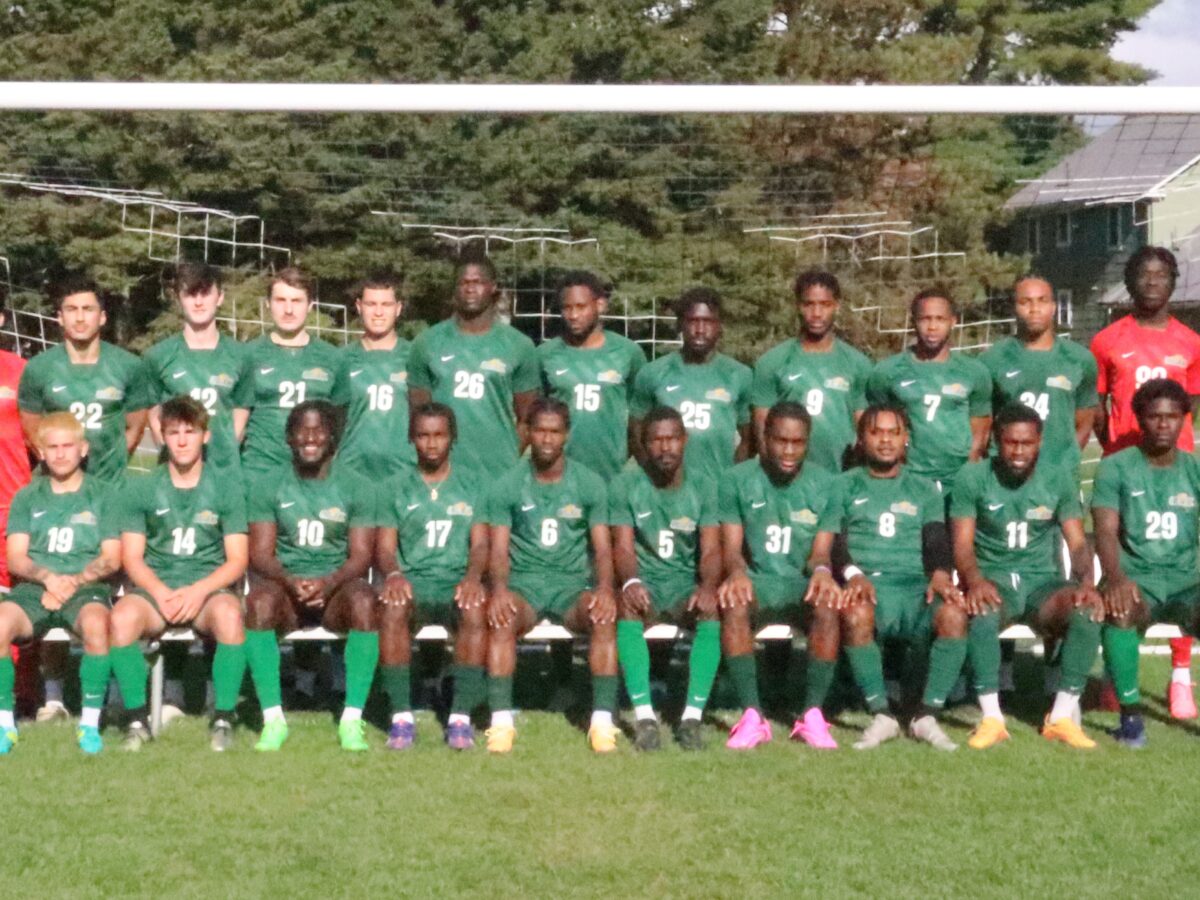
[1168, 41]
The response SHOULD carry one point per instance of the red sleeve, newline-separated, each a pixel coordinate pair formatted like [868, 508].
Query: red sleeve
[1193, 370]
[1100, 350]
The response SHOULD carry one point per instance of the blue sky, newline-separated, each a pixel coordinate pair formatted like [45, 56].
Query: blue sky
[1168, 41]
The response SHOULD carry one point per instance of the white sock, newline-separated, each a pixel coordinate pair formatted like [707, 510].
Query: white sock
[644, 711]
[89, 717]
[351, 714]
[54, 691]
[273, 714]
[502, 718]
[7, 721]
[989, 705]
[458, 719]
[692, 712]
[1065, 704]
[602, 718]
[1181, 676]
[306, 681]
[399, 717]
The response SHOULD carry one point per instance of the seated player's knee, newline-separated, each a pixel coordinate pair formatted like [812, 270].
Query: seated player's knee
[473, 620]
[858, 624]
[360, 601]
[93, 627]
[604, 632]
[950, 621]
[125, 622]
[394, 620]
[1123, 620]
[264, 606]
[228, 620]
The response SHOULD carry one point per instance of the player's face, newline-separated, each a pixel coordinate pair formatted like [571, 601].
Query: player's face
[665, 441]
[310, 440]
[700, 329]
[1161, 424]
[883, 439]
[817, 307]
[379, 309]
[62, 451]
[1035, 306]
[81, 317]
[1019, 446]
[289, 308]
[200, 307]
[787, 442]
[581, 311]
[184, 442]
[1152, 285]
[547, 437]
[934, 323]
[474, 292]
[431, 437]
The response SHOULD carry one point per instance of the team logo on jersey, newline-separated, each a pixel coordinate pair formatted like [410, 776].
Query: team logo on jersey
[317, 374]
[398, 377]
[955, 389]
[498, 366]
[206, 517]
[1062, 382]
[904, 508]
[7, 393]
[803, 517]
[719, 394]
[1040, 513]
[570, 511]
[684, 524]
[110, 393]
[332, 514]
[86, 517]
[221, 379]
[837, 383]
[1176, 360]
[460, 509]
[1182, 499]
[609, 376]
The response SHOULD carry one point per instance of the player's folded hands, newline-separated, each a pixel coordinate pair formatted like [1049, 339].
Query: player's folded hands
[602, 607]
[470, 594]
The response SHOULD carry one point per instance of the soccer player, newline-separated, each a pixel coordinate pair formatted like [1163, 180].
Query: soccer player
[1053, 375]
[482, 368]
[1144, 506]
[816, 369]
[895, 561]
[548, 518]
[311, 543]
[431, 554]
[286, 366]
[201, 362]
[1149, 343]
[1006, 513]
[946, 396]
[184, 550]
[667, 553]
[14, 451]
[592, 370]
[769, 509]
[372, 384]
[710, 390]
[63, 542]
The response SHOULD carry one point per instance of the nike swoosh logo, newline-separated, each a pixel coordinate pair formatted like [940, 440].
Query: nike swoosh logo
[57, 388]
[39, 514]
[447, 358]
[759, 505]
[411, 507]
[1012, 374]
[162, 512]
[794, 377]
[642, 515]
[266, 371]
[1136, 493]
[178, 374]
[1127, 355]
[672, 387]
[287, 505]
[527, 508]
[861, 500]
[356, 373]
[995, 506]
[907, 383]
[560, 371]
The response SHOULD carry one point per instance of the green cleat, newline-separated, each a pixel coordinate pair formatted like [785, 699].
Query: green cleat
[274, 733]
[352, 735]
[88, 737]
[8, 740]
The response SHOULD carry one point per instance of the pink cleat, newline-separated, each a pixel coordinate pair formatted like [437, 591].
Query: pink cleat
[1181, 702]
[814, 730]
[750, 731]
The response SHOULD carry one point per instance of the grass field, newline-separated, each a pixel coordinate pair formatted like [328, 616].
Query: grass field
[554, 820]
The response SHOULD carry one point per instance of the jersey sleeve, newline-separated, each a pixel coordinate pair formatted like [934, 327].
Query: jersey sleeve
[1193, 370]
[498, 504]
[980, 401]
[131, 505]
[964, 498]
[619, 512]
[641, 400]
[1106, 489]
[709, 513]
[764, 389]
[111, 522]
[362, 503]
[637, 361]
[858, 383]
[140, 392]
[597, 501]
[1069, 504]
[527, 374]
[728, 509]
[878, 386]
[233, 512]
[260, 501]
[833, 516]
[419, 376]
[933, 507]
[30, 387]
[745, 377]
[1086, 393]
[18, 514]
[158, 387]
[339, 394]
[242, 396]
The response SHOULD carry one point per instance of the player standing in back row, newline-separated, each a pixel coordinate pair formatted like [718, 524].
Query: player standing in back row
[1146, 344]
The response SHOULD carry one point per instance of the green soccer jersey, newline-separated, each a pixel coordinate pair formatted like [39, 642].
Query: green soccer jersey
[1016, 523]
[477, 375]
[278, 379]
[713, 398]
[209, 376]
[373, 387]
[596, 385]
[185, 528]
[1056, 383]
[550, 523]
[883, 520]
[831, 386]
[98, 395]
[312, 517]
[940, 398]
[65, 530]
[433, 522]
[666, 523]
[1158, 510]
[779, 522]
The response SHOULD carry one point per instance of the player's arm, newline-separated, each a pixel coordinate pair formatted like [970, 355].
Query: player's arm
[1121, 595]
[636, 450]
[240, 418]
[522, 400]
[1100, 419]
[979, 594]
[470, 592]
[135, 427]
[758, 419]
[133, 559]
[1083, 569]
[823, 589]
[189, 600]
[263, 561]
[502, 606]
[736, 589]
[22, 566]
[745, 447]
[155, 423]
[29, 426]
[981, 427]
[603, 608]
[634, 596]
[397, 590]
[107, 562]
[1085, 424]
[359, 544]
[938, 559]
[709, 569]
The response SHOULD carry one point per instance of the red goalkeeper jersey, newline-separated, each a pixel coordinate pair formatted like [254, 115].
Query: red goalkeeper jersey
[14, 460]
[1127, 356]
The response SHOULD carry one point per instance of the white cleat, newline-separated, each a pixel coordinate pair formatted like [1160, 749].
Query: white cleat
[928, 730]
[882, 728]
[53, 711]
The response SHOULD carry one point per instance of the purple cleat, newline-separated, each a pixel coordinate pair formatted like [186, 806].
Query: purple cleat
[401, 735]
[460, 736]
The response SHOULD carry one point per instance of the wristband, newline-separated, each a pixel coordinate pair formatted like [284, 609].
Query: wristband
[395, 574]
[825, 569]
[626, 585]
[850, 571]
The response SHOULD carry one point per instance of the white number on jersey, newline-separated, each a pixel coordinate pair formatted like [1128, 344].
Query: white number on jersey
[1039, 402]
[379, 397]
[933, 401]
[88, 414]
[437, 532]
[310, 532]
[291, 393]
[696, 416]
[1018, 535]
[814, 401]
[666, 543]
[587, 397]
[549, 532]
[61, 540]
[1161, 526]
[1142, 374]
[184, 541]
[779, 539]
[887, 524]
[207, 396]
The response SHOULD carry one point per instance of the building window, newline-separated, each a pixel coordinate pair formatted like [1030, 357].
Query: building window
[1116, 226]
[1034, 235]
[1062, 230]
[1066, 313]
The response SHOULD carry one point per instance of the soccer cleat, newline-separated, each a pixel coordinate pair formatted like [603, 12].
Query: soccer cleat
[688, 736]
[928, 730]
[603, 738]
[988, 733]
[89, 740]
[274, 733]
[645, 735]
[814, 730]
[883, 728]
[500, 738]
[1180, 701]
[220, 735]
[401, 735]
[136, 737]
[1068, 732]
[52, 711]
[8, 740]
[460, 736]
[1131, 732]
[750, 731]
[352, 735]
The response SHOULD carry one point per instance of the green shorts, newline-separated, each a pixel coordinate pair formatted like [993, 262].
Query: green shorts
[551, 596]
[1174, 603]
[433, 602]
[1024, 596]
[901, 613]
[28, 596]
[138, 592]
[669, 598]
[780, 601]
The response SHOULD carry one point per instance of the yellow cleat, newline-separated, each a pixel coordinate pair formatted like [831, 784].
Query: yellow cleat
[988, 733]
[603, 738]
[1068, 732]
[500, 738]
